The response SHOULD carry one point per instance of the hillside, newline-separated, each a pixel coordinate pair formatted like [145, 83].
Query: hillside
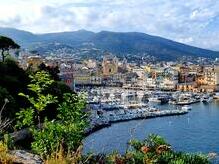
[115, 42]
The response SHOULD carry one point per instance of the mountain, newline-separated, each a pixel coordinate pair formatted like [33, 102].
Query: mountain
[73, 38]
[120, 43]
[23, 38]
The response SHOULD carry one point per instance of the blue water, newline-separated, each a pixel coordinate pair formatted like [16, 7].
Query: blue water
[197, 131]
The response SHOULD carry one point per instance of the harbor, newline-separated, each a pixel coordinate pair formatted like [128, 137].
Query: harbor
[132, 97]
[196, 131]
[110, 105]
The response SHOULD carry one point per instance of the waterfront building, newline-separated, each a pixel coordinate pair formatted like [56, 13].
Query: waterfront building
[185, 87]
[96, 80]
[131, 78]
[150, 83]
[208, 79]
[186, 75]
[82, 77]
[168, 84]
[216, 69]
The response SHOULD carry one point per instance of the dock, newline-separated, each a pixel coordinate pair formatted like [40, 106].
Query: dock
[105, 121]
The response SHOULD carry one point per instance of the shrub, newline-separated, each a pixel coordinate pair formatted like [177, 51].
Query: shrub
[13, 80]
[155, 149]
[4, 155]
[48, 140]
[5, 144]
[31, 116]
[135, 155]
[66, 130]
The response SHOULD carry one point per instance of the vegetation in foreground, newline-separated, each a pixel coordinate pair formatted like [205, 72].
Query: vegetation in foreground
[153, 150]
[56, 120]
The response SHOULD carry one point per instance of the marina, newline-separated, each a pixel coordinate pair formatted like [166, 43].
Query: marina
[128, 96]
[197, 131]
[110, 105]
[119, 114]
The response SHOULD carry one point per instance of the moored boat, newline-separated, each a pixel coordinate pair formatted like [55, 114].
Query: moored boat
[216, 96]
[187, 101]
[206, 99]
[154, 99]
[157, 99]
[186, 107]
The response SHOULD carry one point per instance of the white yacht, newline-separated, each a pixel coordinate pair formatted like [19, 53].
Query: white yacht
[186, 107]
[187, 100]
[154, 99]
[216, 96]
[206, 99]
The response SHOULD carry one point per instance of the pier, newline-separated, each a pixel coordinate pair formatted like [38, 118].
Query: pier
[98, 123]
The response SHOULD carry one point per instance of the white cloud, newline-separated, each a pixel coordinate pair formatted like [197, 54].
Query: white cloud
[192, 21]
[185, 40]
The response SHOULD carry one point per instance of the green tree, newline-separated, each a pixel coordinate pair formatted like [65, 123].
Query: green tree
[73, 116]
[39, 82]
[5, 45]
[53, 71]
[13, 80]
[66, 130]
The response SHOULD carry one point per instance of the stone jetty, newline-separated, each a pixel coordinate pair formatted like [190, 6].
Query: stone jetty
[107, 119]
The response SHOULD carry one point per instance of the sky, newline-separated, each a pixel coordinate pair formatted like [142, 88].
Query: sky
[193, 22]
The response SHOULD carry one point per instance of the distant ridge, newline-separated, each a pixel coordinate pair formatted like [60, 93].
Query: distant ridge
[119, 43]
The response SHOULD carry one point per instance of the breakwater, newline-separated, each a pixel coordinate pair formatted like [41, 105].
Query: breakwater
[106, 120]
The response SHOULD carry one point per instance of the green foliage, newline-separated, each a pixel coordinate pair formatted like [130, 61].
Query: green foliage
[7, 140]
[5, 45]
[153, 141]
[136, 144]
[53, 71]
[70, 110]
[48, 139]
[4, 153]
[13, 80]
[74, 119]
[155, 149]
[39, 82]
[67, 131]
[25, 118]
[146, 152]
[57, 89]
